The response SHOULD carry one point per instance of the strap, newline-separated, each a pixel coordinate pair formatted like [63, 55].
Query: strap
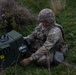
[61, 28]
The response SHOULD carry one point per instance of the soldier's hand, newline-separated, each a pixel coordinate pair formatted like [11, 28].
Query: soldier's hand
[26, 61]
[24, 38]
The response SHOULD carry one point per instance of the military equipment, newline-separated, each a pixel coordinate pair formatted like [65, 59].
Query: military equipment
[12, 49]
[12, 46]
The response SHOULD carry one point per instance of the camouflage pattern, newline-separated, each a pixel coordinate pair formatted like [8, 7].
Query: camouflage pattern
[46, 39]
[46, 14]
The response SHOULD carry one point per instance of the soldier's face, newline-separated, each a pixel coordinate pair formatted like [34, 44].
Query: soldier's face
[44, 23]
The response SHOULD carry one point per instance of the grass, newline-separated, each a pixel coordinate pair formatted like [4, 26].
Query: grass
[67, 18]
[58, 5]
[35, 5]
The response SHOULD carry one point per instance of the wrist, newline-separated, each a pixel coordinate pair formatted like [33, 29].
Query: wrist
[31, 58]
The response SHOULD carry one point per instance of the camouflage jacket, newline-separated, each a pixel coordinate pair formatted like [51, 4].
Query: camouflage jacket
[46, 39]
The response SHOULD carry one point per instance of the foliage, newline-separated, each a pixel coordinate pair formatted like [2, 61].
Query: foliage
[20, 16]
[58, 5]
[35, 5]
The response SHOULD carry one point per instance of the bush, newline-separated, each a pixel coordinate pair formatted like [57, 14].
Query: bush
[58, 5]
[15, 14]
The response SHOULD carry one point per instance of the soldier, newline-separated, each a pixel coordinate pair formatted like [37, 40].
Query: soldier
[47, 38]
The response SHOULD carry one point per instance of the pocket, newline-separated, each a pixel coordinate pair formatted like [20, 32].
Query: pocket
[64, 49]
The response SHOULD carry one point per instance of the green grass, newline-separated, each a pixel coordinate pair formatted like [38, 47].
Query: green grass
[67, 18]
[35, 5]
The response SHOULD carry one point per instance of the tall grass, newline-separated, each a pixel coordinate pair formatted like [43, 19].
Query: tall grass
[58, 5]
[35, 5]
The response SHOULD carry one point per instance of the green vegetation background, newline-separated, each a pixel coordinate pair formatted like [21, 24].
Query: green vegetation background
[67, 18]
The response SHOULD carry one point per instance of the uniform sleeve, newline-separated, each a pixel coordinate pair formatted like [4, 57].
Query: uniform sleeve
[32, 36]
[53, 36]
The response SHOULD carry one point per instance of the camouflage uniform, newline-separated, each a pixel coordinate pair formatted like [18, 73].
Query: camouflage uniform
[45, 40]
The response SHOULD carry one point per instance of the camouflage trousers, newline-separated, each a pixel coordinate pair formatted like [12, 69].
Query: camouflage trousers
[44, 60]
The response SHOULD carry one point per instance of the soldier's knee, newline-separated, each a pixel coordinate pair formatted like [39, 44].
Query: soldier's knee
[44, 61]
[41, 61]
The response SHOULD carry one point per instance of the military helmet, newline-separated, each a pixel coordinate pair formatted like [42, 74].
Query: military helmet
[46, 15]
